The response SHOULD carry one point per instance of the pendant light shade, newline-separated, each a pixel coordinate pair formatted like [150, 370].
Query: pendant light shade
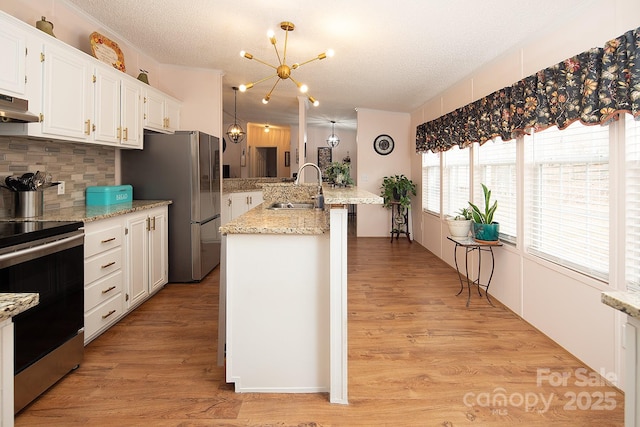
[333, 140]
[235, 131]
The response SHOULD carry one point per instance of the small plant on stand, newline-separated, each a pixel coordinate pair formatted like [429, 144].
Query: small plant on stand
[397, 188]
[484, 228]
[460, 223]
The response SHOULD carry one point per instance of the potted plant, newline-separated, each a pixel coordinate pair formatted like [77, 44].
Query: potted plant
[484, 228]
[397, 188]
[339, 173]
[460, 223]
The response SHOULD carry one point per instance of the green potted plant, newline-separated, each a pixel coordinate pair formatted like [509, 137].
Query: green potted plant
[485, 229]
[460, 223]
[339, 173]
[397, 188]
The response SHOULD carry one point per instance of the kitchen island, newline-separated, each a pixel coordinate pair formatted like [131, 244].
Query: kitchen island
[283, 294]
[11, 304]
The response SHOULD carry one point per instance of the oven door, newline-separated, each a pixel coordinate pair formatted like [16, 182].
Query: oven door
[53, 269]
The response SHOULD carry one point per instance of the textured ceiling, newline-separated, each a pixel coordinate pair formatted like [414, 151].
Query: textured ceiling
[390, 55]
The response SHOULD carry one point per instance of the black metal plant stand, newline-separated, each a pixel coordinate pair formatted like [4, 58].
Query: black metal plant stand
[470, 245]
[399, 221]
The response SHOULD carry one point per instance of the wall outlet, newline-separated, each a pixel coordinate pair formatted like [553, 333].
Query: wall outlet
[61, 187]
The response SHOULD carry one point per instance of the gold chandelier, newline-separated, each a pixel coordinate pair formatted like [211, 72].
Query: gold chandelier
[283, 71]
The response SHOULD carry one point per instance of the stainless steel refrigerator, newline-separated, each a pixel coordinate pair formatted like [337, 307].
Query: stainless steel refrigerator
[183, 167]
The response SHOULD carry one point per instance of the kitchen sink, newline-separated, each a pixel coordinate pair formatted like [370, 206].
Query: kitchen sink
[290, 206]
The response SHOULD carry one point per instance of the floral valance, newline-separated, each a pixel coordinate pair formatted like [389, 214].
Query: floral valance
[591, 87]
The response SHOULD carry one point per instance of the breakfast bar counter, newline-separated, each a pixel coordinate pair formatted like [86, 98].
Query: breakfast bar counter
[283, 320]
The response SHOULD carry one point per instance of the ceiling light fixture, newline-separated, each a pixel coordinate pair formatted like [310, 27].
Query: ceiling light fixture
[235, 131]
[266, 128]
[333, 139]
[283, 71]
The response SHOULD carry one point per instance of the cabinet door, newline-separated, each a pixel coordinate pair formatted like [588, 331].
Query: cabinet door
[67, 97]
[172, 115]
[154, 111]
[254, 198]
[131, 114]
[239, 204]
[137, 259]
[107, 107]
[158, 251]
[13, 52]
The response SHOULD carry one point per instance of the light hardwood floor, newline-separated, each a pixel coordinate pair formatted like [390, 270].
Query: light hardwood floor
[417, 357]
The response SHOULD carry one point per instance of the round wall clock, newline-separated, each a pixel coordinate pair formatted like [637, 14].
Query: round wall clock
[383, 144]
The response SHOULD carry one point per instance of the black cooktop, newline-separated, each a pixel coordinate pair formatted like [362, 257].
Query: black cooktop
[17, 232]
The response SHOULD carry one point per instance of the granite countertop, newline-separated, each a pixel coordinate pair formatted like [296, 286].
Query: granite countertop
[95, 213]
[626, 302]
[261, 220]
[14, 304]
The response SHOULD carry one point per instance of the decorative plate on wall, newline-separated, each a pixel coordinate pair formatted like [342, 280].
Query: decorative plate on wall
[383, 144]
[106, 51]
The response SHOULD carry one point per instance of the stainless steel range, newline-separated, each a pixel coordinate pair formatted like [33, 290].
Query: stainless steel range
[47, 258]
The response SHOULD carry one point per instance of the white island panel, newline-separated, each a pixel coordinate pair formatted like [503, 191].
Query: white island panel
[277, 313]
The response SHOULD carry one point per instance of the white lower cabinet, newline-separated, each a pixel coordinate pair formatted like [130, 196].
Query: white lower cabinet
[148, 254]
[103, 278]
[6, 373]
[236, 204]
[125, 261]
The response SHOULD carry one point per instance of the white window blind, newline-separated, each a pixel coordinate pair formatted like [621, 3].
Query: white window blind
[567, 200]
[431, 182]
[495, 167]
[632, 203]
[455, 188]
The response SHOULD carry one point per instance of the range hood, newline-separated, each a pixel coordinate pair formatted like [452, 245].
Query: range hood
[14, 109]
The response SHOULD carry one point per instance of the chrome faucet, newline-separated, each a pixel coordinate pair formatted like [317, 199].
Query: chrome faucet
[319, 198]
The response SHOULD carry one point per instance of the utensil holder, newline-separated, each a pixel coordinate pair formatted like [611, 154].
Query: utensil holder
[29, 204]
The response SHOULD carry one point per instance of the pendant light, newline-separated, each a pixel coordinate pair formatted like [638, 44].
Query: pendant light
[283, 70]
[333, 140]
[235, 131]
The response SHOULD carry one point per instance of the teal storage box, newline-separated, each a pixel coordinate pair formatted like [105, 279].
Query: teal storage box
[107, 195]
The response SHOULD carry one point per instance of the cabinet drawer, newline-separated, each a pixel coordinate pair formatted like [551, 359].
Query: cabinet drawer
[102, 240]
[102, 265]
[102, 316]
[101, 290]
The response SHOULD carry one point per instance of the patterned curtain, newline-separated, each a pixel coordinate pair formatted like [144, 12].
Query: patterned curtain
[591, 87]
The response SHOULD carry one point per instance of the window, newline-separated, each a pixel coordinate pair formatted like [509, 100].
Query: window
[567, 197]
[455, 175]
[495, 167]
[632, 204]
[431, 182]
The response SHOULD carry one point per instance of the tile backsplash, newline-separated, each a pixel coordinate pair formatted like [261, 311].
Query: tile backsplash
[78, 165]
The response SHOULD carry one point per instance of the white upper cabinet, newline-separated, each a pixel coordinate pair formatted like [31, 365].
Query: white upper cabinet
[118, 109]
[161, 112]
[77, 97]
[67, 93]
[13, 50]
[131, 112]
[107, 107]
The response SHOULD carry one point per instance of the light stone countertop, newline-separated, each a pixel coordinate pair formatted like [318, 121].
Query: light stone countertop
[261, 220]
[626, 302]
[95, 213]
[12, 304]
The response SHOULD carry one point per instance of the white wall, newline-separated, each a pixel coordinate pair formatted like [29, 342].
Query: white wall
[200, 91]
[562, 304]
[373, 220]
